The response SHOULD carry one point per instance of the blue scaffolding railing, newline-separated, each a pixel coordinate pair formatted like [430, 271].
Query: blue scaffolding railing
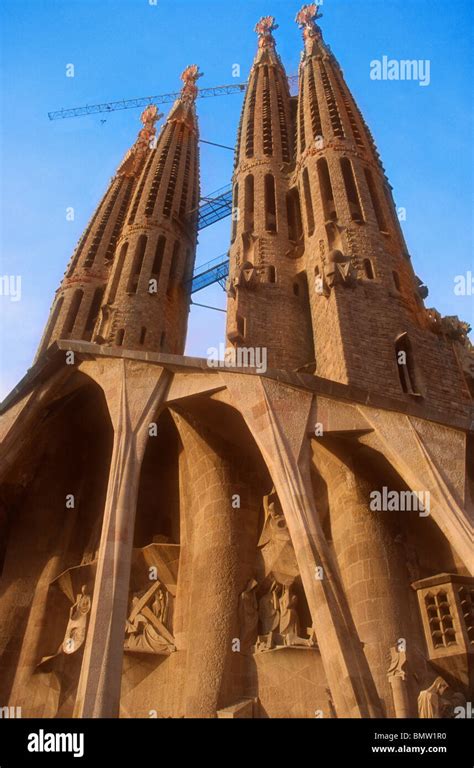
[215, 207]
[214, 271]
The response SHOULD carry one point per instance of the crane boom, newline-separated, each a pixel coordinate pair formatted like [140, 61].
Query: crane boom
[144, 101]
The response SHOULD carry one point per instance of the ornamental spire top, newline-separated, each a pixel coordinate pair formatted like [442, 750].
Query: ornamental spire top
[264, 29]
[189, 77]
[131, 163]
[306, 20]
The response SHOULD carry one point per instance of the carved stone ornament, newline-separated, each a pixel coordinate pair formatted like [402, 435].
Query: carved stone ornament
[77, 624]
[146, 628]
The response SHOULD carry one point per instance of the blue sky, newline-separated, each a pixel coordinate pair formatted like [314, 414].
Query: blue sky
[128, 48]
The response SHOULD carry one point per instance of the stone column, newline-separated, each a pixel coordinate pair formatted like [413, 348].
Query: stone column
[278, 419]
[223, 542]
[133, 397]
[371, 562]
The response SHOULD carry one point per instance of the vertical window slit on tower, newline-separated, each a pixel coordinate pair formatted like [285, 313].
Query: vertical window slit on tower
[137, 264]
[174, 267]
[334, 116]
[73, 312]
[119, 337]
[141, 186]
[93, 312]
[351, 190]
[308, 201]
[92, 252]
[109, 255]
[142, 335]
[285, 147]
[156, 181]
[185, 189]
[329, 207]
[346, 98]
[301, 116]
[396, 280]
[158, 258]
[368, 269]
[82, 241]
[270, 204]
[313, 102]
[382, 224]
[406, 364]
[249, 141]
[235, 211]
[117, 273]
[249, 203]
[267, 115]
[173, 179]
[293, 212]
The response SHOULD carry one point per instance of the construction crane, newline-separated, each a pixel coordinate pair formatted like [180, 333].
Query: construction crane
[145, 101]
[212, 208]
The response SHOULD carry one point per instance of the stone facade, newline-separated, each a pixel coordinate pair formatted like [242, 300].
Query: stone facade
[179, 540]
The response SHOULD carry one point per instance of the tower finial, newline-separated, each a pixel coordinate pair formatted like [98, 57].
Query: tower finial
[306, 20]
[189, 77]
[264, 29]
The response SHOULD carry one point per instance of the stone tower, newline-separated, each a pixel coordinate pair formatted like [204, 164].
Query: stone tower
[146, 304]
[80, 296]
[268, 294]
[370, 325]
[183, 540]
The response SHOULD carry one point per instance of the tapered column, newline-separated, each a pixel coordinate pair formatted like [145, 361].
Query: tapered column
[277, 418]
[223, 538]
[133, 398]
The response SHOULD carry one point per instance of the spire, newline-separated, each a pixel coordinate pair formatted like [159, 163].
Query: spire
[266, 52]
[132, 162]
[306, 19]
[184, 108]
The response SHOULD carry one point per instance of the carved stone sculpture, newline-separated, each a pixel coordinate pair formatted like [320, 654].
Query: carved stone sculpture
[146, 629]
[432, 703]
[77, 624]
[338, 270]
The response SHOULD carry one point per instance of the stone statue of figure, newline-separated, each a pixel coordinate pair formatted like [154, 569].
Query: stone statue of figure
[269, 610]
[145, 628]
[248, 614]
[432, 703]
[275, 526]
[77, 624]
[289, 623]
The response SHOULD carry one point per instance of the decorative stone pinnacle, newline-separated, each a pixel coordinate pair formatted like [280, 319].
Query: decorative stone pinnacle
[306, 20]
[264, 29]
[189, 77]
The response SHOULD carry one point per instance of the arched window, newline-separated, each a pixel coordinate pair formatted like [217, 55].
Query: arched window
[368, 269]
[119, 337]
[158, 258]
[327, 195]
[396, 280]
[174, 268]
[270, 204]
[142, 335]
[137, 264]
[93, 312]
[293, 210]
[406, 365]
[73, 312]
[117, 273]
[235, 211]
[249, 203]
[382, 224]
[271, 274]
[351, 190]
[308, 202]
